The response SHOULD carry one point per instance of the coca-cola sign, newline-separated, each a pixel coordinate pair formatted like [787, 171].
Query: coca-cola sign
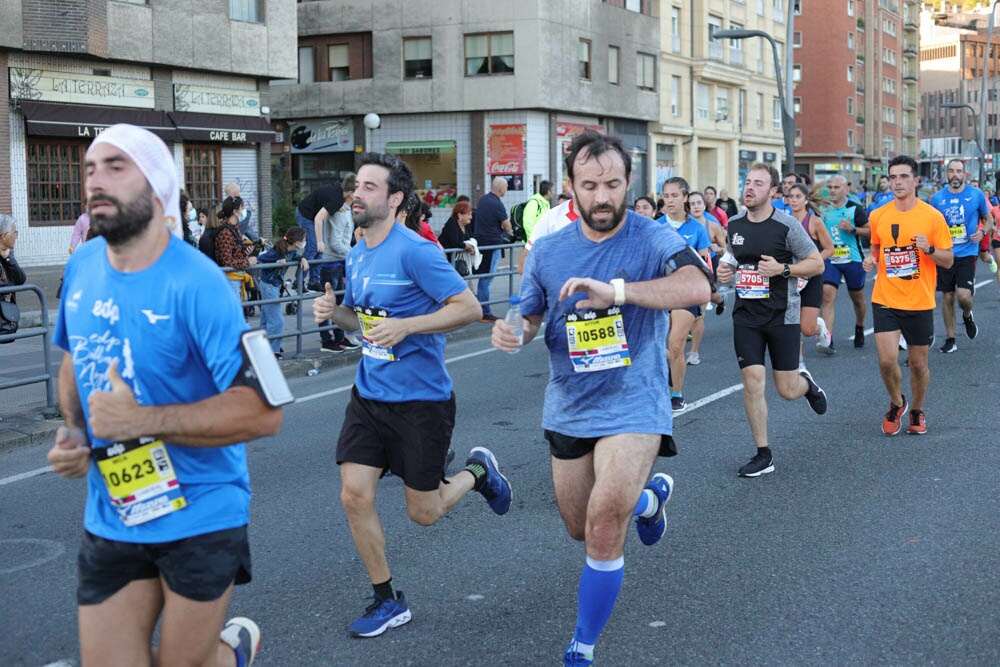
[506, 149]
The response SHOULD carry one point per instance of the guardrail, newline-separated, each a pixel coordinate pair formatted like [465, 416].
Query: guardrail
[43, 331]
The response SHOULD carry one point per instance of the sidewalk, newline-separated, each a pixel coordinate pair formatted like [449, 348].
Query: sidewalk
[24, 428]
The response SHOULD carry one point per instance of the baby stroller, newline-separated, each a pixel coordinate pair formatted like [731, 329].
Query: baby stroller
[251, 292]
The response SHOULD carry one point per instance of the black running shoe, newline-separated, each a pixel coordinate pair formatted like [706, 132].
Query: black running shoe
[949, 346]
[760, 464]
[971, 329]
[815, 395]
[859, 337]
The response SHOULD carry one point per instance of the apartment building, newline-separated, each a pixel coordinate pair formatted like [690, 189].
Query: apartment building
[191, 71]
[719, 109]
[466, 91]
[856, 76]
[952, 65]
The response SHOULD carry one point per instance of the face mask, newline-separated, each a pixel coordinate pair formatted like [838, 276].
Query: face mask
[243, 216]
[192, 216]
[300, 247]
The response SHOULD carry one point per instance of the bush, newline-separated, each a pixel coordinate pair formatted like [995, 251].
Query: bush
[282, 218]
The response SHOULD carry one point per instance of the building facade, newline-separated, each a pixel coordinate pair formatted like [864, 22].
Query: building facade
[466, 91]
[719, 110]
[856, 85]
[192, 72]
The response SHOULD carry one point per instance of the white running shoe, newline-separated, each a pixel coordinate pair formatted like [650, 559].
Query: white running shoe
[825, 338]
[693, 359]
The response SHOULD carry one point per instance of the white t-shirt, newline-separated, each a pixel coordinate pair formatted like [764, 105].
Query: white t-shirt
[554, 220]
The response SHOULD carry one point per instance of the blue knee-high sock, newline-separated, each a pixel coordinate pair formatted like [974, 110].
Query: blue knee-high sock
[599, 586]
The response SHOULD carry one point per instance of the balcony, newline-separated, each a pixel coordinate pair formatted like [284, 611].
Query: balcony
[910, 74]
[909, 129]
[910, 46]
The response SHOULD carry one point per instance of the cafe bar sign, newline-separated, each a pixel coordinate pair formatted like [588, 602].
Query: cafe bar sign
[48, 86]
[226, 101]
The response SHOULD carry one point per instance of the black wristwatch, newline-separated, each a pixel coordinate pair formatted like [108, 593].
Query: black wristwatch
[786, 272]
[931, 250]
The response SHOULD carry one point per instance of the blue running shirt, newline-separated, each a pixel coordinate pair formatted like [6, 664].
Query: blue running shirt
[175, 330]
[404, 276]
[627, 399]
[962, 211]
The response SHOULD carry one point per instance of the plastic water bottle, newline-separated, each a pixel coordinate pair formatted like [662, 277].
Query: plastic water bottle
[515, 321]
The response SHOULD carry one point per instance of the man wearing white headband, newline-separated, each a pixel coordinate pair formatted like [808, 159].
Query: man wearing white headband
[156, 414]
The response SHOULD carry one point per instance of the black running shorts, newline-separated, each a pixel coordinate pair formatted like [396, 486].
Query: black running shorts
[812, 293]
[198, 568]
[411, 439]
[568, 447]
[961, 274]
[781, 341]
[917, 326]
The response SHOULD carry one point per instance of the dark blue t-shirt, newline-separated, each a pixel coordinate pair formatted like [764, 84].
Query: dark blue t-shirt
[490, 212]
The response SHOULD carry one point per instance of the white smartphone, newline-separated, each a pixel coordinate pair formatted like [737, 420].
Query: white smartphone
[274, 387]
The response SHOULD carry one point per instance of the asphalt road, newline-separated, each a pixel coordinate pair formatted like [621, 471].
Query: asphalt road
[858, 549]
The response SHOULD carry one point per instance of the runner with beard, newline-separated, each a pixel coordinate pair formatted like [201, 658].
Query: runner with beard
[604, 284]
[768, 252]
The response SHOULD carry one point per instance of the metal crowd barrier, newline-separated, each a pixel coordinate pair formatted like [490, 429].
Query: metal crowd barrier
[42, 331]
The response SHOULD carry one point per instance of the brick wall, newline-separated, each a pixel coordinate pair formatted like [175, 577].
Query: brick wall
[66, 26]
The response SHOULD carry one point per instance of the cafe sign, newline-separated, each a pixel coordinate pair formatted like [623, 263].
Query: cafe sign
[200, 99]
[48, 86]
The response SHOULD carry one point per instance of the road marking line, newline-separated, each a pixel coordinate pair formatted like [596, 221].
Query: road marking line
[25, 475]
[711, 398]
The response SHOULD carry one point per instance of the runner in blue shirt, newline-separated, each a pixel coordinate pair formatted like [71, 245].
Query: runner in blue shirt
[405, 295]
[883, 196]
[965, 209]
[603, 284]
[156, 408]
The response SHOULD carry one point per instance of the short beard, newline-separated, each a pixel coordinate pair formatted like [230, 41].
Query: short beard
[370, 216]
[133, 218]
[616, 219]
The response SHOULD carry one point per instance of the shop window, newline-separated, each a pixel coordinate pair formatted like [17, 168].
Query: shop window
[55, 181]
[336, 57]
[491, 53]
[434, 167]
[245, 10]
[583, 59]
[203, 174]
[417, 63]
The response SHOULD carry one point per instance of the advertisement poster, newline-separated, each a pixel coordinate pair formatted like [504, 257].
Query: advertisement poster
[506, 149]
[566, 132]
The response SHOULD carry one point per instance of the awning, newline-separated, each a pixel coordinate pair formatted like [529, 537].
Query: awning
[70, 120]
[217, 127]
[419, 147]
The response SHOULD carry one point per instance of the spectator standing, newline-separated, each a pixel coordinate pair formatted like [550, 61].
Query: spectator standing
[338, 229]
[228, 246]
[456, 233]
[289, 248]
[727, 204]
[10, 272]
[491, 223]
[247, 229]
[310, 214]
[537, 206]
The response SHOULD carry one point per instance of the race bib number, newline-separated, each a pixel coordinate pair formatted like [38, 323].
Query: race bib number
[140, 480]
[596, 340]
[901, 262]
[958, 234]
[751, 283]
[841, 255]
[369, 317]
[801, 284]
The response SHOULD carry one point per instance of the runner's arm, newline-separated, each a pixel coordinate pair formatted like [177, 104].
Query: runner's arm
[458, 310]
[687, 286]
[861, 227]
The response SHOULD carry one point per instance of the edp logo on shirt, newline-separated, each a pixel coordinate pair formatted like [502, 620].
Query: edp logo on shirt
[106, 309]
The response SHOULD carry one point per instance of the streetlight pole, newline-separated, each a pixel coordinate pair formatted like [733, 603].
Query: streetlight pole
[987, 61]
[787, 117]
[979, 138]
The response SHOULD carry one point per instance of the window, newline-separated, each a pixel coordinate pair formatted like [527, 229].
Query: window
[779, 11]
[850, 41]
[417, 61]
[491, 53]
[245, 10]
[889, 115]
[797, 39]
[55, 180]
[335, 57]
[203, 174]
[850, 139]
[742, 107]
[583, 59]
[760, 7]
[760, 110]
[338, 58]
[645, 71]
[888, 85]
[797, 105]
[735, 46]
[675, 29]
[850, 106]
[796, 73]
[633, 5]
[714, 46]
[704, 95]
[850, 73]
[307, 64]
[721, 104]
[675, 96]
[614, 54]
[776, 114]
[850, 7]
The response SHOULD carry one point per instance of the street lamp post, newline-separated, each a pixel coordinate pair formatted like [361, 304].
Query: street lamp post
[787, 117]
[982, 93]
[372, 122]
[979, 137]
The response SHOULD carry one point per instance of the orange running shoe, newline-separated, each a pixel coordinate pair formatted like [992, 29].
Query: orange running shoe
[893, 422]
[918, 425]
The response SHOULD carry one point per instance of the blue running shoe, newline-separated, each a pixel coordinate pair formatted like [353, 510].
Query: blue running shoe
[574, 658]
[495, 487]
[381, 615]
[243, 636]
[651, 530]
